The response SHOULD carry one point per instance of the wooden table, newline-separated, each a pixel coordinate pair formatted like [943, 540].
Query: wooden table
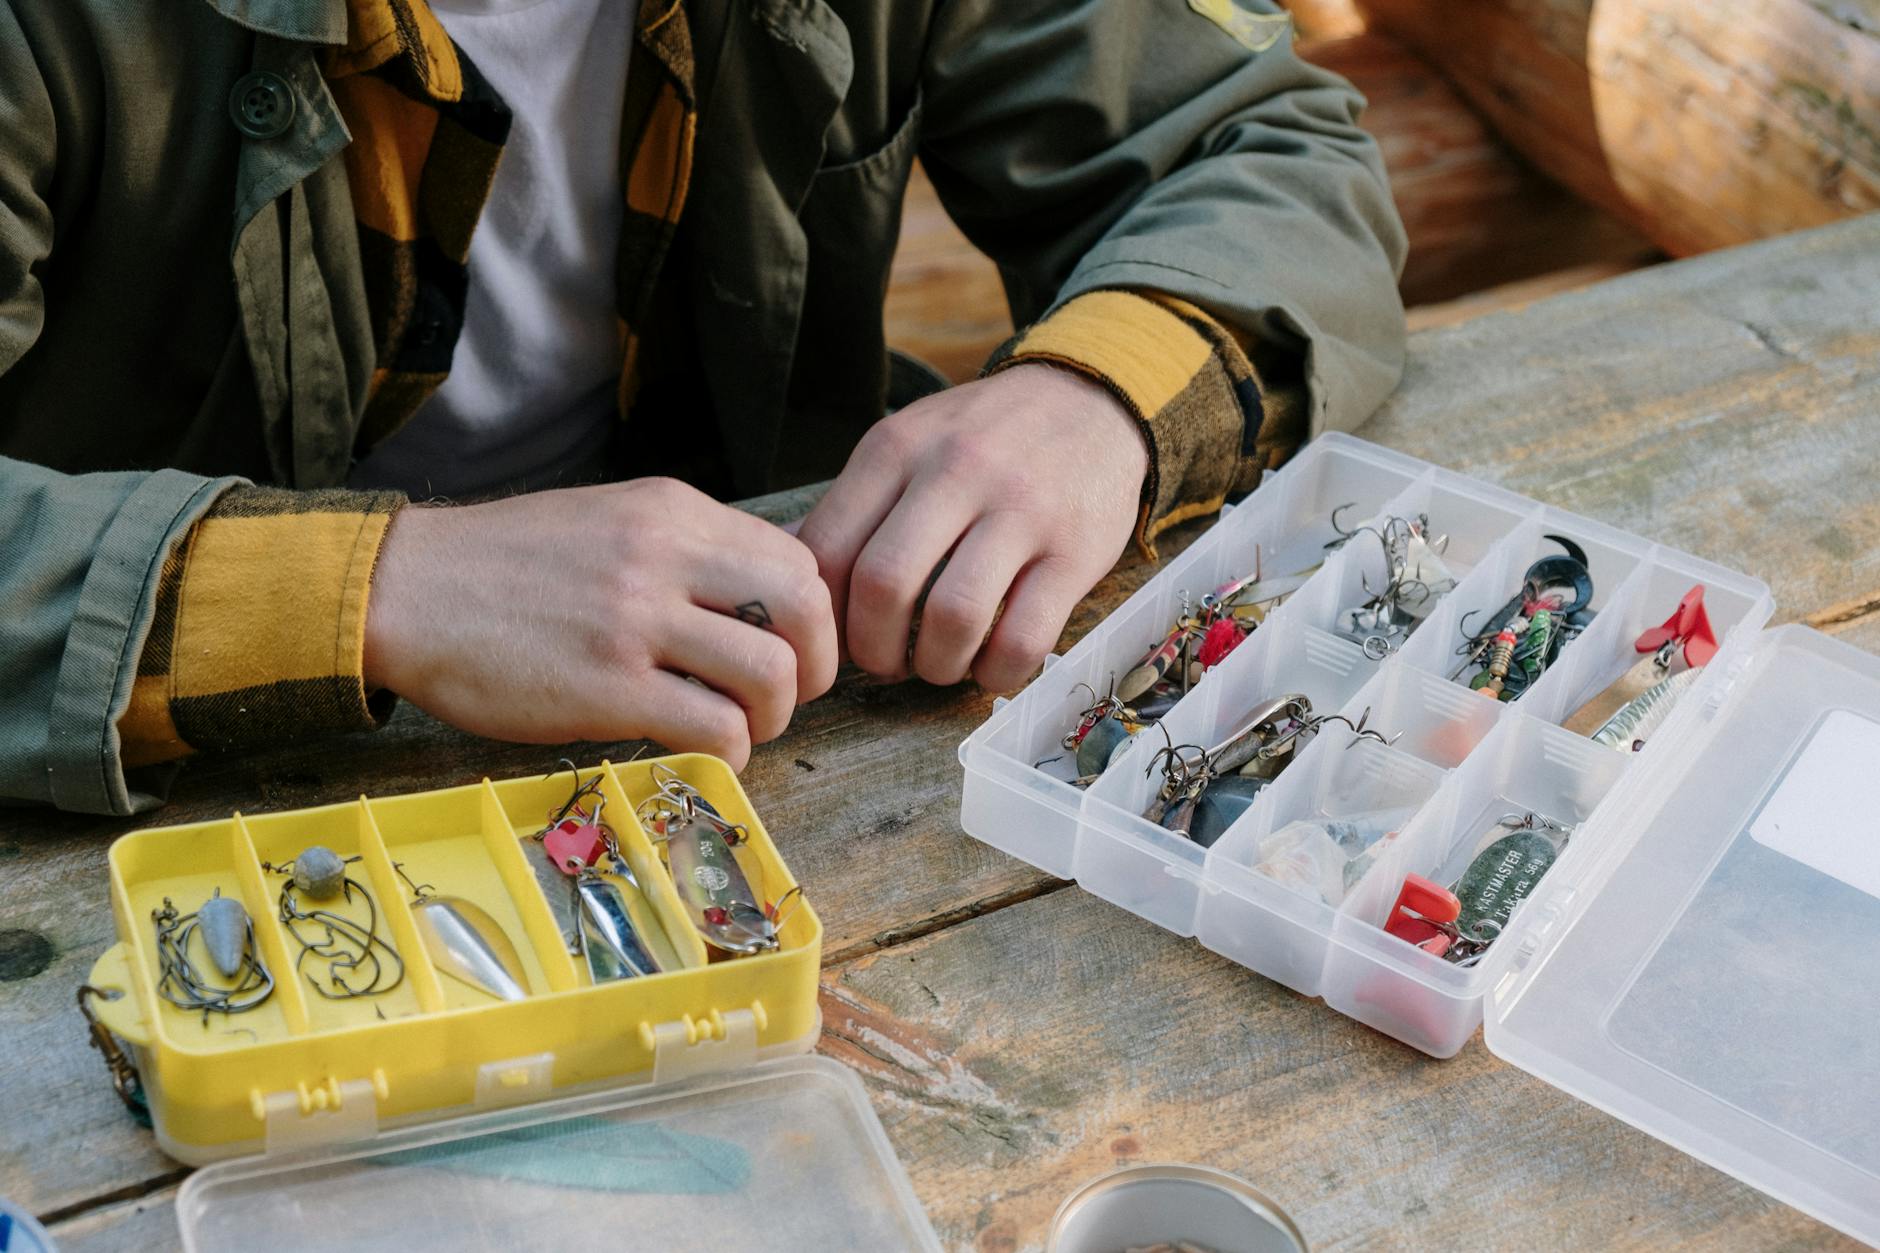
[1019, 1037]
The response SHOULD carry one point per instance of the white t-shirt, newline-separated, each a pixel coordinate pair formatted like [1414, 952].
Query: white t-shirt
[531, 397]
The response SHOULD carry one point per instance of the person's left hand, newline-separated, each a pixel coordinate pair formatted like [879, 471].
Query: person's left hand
[1026, 484]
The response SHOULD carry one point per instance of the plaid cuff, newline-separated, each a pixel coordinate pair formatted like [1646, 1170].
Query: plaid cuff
[259, 630]
[1212, 423]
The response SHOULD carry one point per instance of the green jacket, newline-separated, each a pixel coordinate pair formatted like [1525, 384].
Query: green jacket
[182, 308]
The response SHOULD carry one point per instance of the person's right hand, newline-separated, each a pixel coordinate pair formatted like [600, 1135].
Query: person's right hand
[579, 614]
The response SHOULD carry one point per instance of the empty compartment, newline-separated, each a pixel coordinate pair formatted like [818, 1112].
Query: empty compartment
[1277, 875]
[1425, 716]
[459, 843]
[178, 869]
[361, 938]
[1525, 767]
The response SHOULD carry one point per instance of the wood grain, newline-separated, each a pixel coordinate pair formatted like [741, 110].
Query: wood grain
[1020, 1054]
[1018, 1036]
[1703, 125]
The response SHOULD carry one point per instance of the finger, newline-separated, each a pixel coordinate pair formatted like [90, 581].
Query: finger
[687, 718]
[1036, 609]
[763, 577]
[959, 611]
[752, 666]
[840, 525]
[895, 567]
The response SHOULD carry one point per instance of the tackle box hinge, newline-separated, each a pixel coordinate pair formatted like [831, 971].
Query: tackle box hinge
[688, 1046]
[325, 1112]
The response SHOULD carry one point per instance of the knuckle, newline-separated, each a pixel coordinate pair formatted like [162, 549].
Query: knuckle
[878, 580]
[954, 612]
[888, 440]
[659, 492]
[1019, 648]
[774, 667]
[727, 733]
[805, 595]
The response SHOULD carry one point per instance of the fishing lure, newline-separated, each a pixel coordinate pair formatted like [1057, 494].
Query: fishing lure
[1459, 923]
[1518, 642]
[466, 943]
[228, 936]
[1204, 790]
[700, 849]
[1203, 636]
[613, 938]
[1634, 705]
[1415, 579]
[353, 957]
[1102, 734]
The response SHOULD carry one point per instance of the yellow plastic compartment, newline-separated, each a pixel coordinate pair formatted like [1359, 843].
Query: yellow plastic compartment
[304, 1069]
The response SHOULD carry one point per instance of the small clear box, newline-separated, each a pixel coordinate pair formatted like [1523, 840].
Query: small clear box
[786, 1156]
[1703, 960]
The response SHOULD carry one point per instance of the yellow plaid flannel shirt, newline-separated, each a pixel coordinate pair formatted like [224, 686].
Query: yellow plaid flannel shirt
[259, 628]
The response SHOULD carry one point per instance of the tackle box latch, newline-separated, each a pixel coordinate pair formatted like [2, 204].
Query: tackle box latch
[329, 1112]
[688, 1046]
[515, 1081]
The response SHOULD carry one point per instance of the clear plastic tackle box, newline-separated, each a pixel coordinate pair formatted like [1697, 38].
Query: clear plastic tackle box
[1703, 960]
[642, 1113]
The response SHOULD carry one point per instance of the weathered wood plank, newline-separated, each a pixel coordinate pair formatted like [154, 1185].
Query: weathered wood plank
[1730, 405]
[1021, 1053]
[1017, 1055]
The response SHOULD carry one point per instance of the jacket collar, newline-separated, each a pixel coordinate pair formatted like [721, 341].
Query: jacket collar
[309, 21]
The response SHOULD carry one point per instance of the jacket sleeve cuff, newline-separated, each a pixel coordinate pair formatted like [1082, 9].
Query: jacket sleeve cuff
[1211, 422]
[258, 635]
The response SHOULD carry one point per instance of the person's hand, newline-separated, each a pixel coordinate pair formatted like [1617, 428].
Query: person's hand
[577, 614]
[1026, 484]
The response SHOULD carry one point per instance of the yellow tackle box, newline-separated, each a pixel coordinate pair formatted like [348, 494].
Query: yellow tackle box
[655, 1102]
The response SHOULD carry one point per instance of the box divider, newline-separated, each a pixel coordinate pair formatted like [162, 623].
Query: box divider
[544, 935]
[261, 896]
[394, 896]
[650, 869]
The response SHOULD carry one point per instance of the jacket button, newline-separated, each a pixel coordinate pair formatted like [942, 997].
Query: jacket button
[262, 105]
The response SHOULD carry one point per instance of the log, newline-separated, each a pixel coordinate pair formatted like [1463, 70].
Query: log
[1477, 216]
[1702, 124]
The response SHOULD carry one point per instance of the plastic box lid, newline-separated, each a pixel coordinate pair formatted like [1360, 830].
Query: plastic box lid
[1714, 979]
[784, 1156]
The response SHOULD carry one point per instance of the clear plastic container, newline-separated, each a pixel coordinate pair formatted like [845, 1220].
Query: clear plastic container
[786, 1156]
[1668, 967]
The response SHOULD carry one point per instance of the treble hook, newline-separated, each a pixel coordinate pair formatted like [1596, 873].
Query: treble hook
[1340, 531]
